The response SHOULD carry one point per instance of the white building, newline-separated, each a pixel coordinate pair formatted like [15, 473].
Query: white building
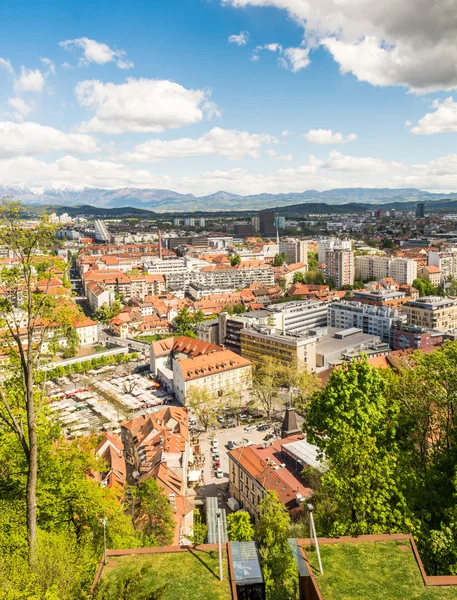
[375, 320]
[97, 295]
[101, 232]
[296, 251]
[201, 222]
[339, 267]
[446, 261]
[325, 244]
[166, 266]
[402, 270]
[189, 222]
[297, 317]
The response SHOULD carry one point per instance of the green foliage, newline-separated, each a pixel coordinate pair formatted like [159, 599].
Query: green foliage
[269, 376]
[235, 260]
[105, 313]
[73, 343]
[186, 322]
[352, 421]
[312, 261]
[240, 528]
[234, 309]
[313, 277]
[278, 565]
[129, 583]
[200, 530]
[279, 259]
[151, 513]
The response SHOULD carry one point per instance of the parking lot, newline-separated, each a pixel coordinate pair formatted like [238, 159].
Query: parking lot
[223, 436]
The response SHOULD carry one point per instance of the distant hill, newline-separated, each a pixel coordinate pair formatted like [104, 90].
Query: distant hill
[169, 201]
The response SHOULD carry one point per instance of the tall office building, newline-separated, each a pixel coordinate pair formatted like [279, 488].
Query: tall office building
[420, 210]
[267, 222]
[280, 222]
[339, 267]
[295, 250]
[325, 244]
[255, 223]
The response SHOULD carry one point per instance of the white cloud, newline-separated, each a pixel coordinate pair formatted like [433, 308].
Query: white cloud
[29, 139]
[141, 105]
[240, 40]
[273, 47]
[232, 144]
[273, 154]
[51, 66]
[78, 173]
[6, 64]
[255, 58]
[97, 52]
[285, 133]
[443, 119]
[295, 59]
[21, 108]
[339, 162]
[29, 80]
[410, 43]
[327, 136]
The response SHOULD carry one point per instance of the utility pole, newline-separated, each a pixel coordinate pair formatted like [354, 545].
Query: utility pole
[219, 517]
[312, 533]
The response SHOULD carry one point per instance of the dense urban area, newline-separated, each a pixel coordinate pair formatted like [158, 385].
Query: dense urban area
[227, 388]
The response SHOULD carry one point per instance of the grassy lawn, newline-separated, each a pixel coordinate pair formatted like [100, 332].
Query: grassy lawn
[153, 338]
[374, 570]
[186, 575]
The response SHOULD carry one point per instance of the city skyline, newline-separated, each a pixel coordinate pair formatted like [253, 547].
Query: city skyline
[248, 96]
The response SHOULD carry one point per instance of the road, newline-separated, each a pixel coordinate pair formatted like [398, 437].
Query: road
[106, 338]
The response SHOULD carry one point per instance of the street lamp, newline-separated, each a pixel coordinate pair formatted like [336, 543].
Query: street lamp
[103, 521]
[312, 533]
[219, 518]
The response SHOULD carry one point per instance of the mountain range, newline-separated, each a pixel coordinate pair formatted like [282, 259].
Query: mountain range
[169, 201]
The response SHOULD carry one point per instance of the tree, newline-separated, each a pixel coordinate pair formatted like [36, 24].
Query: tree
[186, 322]
[235, 260]
[151, 512]
[353, 423]
[240, 528]
[278, 565]
[279, 259]
[200, 531]
[105, 313]
[201, 402]
[43, 314]
[73, 343]
[269, 377]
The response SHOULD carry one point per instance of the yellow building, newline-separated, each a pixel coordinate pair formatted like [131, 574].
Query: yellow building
[255, 345]
[432, 312]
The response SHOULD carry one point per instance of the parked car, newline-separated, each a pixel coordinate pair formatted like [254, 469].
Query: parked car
[243, 417]
[250, 428]
[261, 424]
[192, 422]
[269, 436]
[217, 464]
[263, 427]
[230, 424]
[220, 419]
[219, 473]
[215, 448]
[230, 445]
[216, 457]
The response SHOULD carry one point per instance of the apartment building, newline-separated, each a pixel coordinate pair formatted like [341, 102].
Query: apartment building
[165, 266]
[375, 320]
[432, 312]
[296, 251]
[418, 338]
[97, 295]
[286, 349]
[432, 273]
[402, 270]
[325, 244]
[135, 286]
[339, 267]
[298, 317]
[446, 261]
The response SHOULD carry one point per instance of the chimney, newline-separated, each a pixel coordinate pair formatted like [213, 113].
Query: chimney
[160, 242]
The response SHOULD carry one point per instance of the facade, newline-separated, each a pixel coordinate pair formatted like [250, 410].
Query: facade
[87, 331]
[445, 261]
[219, 373]
[411, 336]
[286, 349]
[296, 251]
[97, 295]
[298, 317]
[402, 270]
[336, 346]
[101, 232]
[339, 267]
[267, 222]
[325, 244]
[420, 210]
[432, 312]
[432, 273]
[375, 320]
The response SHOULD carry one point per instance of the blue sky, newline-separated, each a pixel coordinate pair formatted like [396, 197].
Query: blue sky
[248, 96]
